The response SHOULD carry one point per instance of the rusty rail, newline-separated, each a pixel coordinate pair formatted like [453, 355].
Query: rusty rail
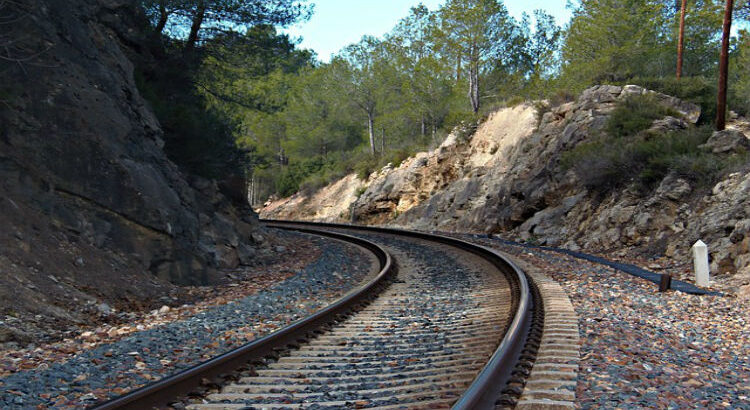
[492, 380]
[481, 394]
[164, 391]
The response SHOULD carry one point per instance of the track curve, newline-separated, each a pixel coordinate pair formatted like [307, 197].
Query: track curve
[445, 329]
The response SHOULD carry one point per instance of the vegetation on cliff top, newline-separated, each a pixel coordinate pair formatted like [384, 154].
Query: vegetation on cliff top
[289, 121]
[630, 153]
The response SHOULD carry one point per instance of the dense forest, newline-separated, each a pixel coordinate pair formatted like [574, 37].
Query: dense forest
[238, 97]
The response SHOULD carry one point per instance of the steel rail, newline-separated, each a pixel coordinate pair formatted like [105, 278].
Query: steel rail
[162, 392]
[489, 384]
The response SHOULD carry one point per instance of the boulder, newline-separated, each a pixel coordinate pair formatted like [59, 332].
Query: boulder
[673, 188]
[667, 124]
[727, 141]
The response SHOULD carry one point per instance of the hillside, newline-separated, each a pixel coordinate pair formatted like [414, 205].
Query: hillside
[510, 178]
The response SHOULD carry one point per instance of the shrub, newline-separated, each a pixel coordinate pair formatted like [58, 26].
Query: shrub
[398, 156]
[542, 107]
[561, 96]
[313, 184]
[612, 162]
[635, 114]
[365, 167]
[514, 101]
[467, 122]
[361, 190]
[697, 90]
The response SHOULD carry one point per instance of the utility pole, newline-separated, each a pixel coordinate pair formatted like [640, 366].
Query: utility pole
[681, 39]
[721, 99]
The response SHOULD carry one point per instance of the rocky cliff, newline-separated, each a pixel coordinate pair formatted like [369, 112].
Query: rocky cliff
[507, 179]
[91, 209]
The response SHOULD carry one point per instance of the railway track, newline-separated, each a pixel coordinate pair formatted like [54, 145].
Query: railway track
[443, 324]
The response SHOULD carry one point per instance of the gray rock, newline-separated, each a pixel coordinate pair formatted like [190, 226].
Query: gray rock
[104, 309]
[226, 257]
[727, 141]
[10, 334]
[673, 188]
[667, 124]
[246, 254]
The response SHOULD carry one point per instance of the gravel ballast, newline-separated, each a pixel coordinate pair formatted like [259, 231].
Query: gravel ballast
[142, 357]
[645, 349]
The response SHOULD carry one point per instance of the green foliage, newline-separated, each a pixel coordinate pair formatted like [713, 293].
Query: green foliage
[643, 161]
[625, 155]
[698, 90]
[615, 41]
[221, 16]
[360, 191]
[478, 34]
[197, 138]
[740, 75]
[635, 114]
[380, 100]
[396, 157]
[365, 166]
[291, 177]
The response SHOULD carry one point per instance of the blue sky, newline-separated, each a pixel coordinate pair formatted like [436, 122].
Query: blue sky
[337, 23]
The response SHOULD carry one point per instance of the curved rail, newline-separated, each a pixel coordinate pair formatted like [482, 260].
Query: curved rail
[493, 378]
[163, 391]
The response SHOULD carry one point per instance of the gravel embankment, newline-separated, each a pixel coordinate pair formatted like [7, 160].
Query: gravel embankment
[413, 348]
[645, 349]
[109, 369]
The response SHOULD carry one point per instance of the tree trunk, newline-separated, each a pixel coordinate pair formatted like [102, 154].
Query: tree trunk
[371, 131]
[382, 140]
[200, 14]
[721, 99]
[474, 87]
[458, 69]
[424, 126]
[163, 16]
[251, 193]
[681, 39]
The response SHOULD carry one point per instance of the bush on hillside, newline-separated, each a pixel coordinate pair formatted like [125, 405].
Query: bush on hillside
[644, 161]
[697, 90]
[626, 155]
[635, 114]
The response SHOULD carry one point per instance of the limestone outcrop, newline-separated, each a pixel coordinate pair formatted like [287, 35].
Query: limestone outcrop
[507, 178]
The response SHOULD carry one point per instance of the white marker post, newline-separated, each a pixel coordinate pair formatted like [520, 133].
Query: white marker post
[700, 262]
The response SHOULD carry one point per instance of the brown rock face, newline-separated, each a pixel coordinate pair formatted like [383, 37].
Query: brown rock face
[86, 192]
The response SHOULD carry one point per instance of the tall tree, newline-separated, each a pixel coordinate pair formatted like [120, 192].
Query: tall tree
[613, 40]
[425, 77]
[473, 31]
[681, 39]
[540, 51]
[223, 15]
[357, 71]
[721, 98]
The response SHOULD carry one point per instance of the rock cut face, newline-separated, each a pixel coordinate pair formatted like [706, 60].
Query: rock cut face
[507, 179]
[86, 191]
